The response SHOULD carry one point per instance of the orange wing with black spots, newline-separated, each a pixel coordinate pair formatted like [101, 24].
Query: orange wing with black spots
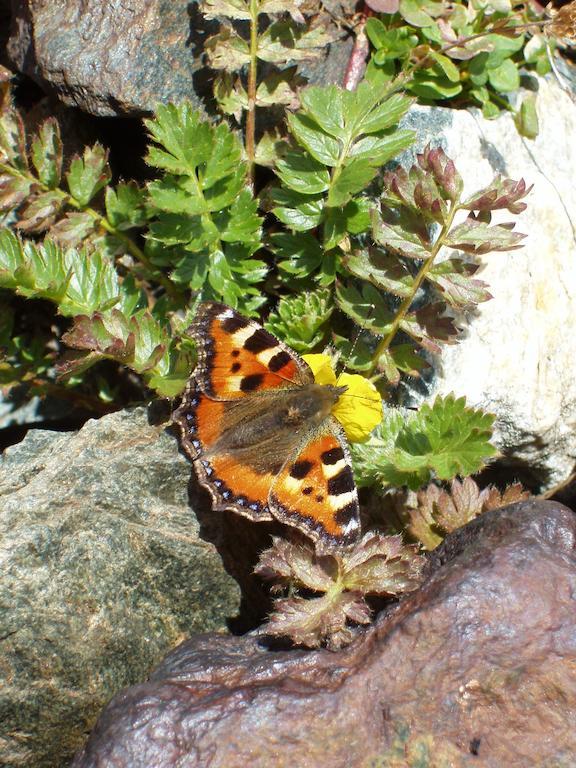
[237, 357]
[315, 491]
[260, 434]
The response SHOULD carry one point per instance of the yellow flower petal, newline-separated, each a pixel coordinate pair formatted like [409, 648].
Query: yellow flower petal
[359, 409]
[321, 368]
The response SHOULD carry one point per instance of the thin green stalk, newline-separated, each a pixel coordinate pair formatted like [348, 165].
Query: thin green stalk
[407, 302]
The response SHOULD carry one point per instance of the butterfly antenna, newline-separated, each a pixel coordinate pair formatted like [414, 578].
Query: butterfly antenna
[359, 330]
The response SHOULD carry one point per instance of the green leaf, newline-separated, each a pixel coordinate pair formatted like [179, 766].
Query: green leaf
[75, 280]
[302, 173]
[46, 153]
[380, 148]
[125, 206]
[442, 440]
[299, 255]
[386, 114]
[301, 321]
[412, 11]
[319, 144]
[241, 223]
[299, 212]
[324, 106]
[526, 119]
[89, 174]
[505, 78]
[366, 307]
[382, 269]
[354, 177]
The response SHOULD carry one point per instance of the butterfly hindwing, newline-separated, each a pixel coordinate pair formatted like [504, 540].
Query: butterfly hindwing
[315, 490]
[237, 357]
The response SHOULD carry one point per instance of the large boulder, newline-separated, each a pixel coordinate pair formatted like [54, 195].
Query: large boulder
[475, 668]
[104, 568]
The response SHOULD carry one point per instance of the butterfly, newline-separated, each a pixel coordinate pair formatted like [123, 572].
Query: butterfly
[260, 433]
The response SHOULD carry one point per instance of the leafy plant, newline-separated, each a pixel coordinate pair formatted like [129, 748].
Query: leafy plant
[433, 512]
[378, 565]
[462, 53]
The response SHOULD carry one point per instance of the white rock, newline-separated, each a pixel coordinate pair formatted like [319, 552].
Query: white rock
[518, 355]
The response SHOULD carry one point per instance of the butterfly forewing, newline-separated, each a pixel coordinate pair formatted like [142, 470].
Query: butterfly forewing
[238, 357]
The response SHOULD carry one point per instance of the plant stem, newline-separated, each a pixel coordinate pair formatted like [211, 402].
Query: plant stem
[406, 303]
[250, 139]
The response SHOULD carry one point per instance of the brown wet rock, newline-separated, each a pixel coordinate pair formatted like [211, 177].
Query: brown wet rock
[475, 668]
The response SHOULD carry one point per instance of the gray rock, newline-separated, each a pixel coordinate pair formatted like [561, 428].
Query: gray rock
[518, 355]
[110, 58]
[476, 668]
[102, 571]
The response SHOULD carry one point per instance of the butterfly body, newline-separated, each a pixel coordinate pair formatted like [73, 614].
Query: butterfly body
[260, 432]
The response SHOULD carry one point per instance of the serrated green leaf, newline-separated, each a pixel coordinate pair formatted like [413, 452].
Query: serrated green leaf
[379, 148]
[174, 229]
[299, 212]
[319, 144]
[89, 174]
[386, 114]
[353, 178]
[241, 223]
[325, 106]
[299, 255]
[302, 173]
[381, 269]
[75, 280]
[125, 206]
[366, 307]
[46, 153]
[443, 440]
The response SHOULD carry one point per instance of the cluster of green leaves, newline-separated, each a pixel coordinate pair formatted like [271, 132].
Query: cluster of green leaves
[441, 440]
[462, 53]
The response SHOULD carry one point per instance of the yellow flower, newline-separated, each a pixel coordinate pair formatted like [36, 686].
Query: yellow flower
[359, 409]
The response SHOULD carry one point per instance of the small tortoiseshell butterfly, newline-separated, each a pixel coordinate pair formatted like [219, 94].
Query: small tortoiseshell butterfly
[260, 431]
